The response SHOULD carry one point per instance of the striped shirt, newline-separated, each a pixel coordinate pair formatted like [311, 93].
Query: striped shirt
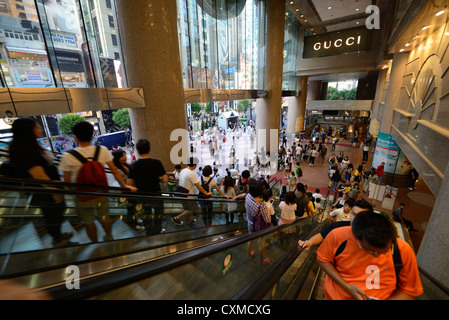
[252, 208]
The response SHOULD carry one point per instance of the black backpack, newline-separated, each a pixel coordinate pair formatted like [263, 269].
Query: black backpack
[205, 187]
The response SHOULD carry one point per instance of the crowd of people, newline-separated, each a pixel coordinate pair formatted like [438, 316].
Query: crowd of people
[365, 235]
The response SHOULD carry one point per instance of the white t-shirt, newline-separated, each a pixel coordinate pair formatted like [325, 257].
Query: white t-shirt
[287, 210]
[212, 183]
[187, 179]
[72, 164]
[341, 215]
[318, 195]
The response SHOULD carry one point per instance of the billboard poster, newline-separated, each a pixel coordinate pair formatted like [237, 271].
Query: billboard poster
[62, 16]
[387, 151]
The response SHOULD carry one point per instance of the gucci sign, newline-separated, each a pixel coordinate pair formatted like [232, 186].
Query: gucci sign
[337, 43]
[350, 41]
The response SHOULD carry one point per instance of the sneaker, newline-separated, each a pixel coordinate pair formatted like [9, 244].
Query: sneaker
[177, 222]
[410, 188]
[192, 223]
[140, 228]
[162, 230]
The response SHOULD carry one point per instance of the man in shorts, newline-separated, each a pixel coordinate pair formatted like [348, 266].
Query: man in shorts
[70, 165]
[189, 180]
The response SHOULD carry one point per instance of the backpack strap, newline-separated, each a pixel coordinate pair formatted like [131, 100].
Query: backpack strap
[209, 180]
[78, 156]
[97, 153]
[398, 265]
[340, 248]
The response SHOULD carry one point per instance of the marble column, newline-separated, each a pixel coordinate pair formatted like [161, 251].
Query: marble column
[297, 108]
[268, 109]
[151, 55]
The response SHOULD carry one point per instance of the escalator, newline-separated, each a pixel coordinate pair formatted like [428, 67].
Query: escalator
[218, 271]
[179, 251]
[25, 245]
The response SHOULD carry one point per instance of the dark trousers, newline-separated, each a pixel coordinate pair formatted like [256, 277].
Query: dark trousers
[206, 208]
[53, 214]
[365, 155]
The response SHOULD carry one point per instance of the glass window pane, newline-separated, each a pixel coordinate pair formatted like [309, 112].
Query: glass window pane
[23, 57]
[222, 43]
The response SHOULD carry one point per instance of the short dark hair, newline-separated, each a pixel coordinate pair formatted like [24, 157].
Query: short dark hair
[290, 198]
[373, 228]
[143, 146]
[246, 174]
[363, 204]
[300, 187]
[83, 130]
[256, 190]
[350, 202]
[207, 171]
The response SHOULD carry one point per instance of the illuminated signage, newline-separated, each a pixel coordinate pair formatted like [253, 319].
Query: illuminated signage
[337, 43]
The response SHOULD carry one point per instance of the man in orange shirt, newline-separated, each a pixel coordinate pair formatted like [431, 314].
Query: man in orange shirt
[364, 268]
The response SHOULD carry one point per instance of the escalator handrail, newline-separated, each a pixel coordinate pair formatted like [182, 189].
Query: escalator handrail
[260, 286]
[91, 286]
[90, 187]
[129, 194]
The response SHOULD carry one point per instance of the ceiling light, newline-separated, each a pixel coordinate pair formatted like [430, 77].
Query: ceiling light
[357, 9]
[401, 50]
[305, 20]
[425, 27]
[302, 16]
[439, 13]
[329, 8]
[297, 10]
[291, 2]
[407, 44]
[357, 22]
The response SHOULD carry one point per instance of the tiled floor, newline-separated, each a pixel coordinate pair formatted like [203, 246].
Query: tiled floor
[419, 202]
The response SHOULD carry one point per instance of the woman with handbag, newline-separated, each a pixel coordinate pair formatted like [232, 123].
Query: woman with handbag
[258, 218]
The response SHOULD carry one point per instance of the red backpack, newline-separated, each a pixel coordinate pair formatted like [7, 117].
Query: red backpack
[92, 172]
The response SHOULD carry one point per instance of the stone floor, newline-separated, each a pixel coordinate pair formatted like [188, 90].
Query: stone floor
[419, 202]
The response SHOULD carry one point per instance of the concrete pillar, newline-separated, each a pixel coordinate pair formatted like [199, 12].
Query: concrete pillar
[433, 253]
[384, 139]
[297, 108]
[268, 109]
[151, 53]
[314, 90]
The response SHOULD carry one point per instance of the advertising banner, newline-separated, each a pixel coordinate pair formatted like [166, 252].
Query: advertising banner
[387, 150]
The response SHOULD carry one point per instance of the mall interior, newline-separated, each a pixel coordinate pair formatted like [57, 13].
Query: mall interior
[362, 68]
